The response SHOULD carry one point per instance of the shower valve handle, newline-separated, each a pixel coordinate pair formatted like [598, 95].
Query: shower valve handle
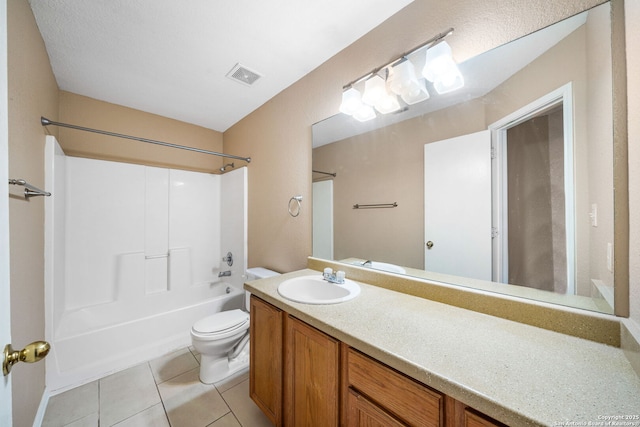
[228, 259]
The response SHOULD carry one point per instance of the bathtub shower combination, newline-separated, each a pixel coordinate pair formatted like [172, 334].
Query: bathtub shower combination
[133, 257]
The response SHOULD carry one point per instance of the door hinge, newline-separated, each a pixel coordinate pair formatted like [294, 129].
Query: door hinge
[494, 232]
[493, 152]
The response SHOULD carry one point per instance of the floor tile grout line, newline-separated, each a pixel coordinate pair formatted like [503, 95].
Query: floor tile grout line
[99, 406]
[175, 376]
[164, 408]
[227, 402]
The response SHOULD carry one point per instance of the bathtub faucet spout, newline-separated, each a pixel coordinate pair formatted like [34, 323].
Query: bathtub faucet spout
[224, 273]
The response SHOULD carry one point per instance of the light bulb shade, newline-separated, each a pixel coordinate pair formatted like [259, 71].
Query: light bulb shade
[351, 101]
[416, 93]
[374, 90]
[403, 78]
[449, 83]
[388, 104]
[441, 69]
[405, 83]
[438, 61]
[364, 113]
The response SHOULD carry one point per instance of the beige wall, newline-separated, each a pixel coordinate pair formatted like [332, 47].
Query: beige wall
[87, 112]
[32, 92]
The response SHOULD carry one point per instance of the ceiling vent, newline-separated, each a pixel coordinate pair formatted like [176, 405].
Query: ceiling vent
[242, 74]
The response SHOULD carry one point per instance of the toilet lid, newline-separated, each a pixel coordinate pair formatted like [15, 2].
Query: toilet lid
[221, 322]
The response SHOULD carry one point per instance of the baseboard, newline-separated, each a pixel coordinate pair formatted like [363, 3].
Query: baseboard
[42, 408]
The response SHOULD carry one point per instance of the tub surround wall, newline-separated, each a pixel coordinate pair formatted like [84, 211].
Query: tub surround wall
[137, 254]
[233, 200]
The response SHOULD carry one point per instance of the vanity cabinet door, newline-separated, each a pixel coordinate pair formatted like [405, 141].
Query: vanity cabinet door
[312, 370]
[406, 399]
[363, 413]
[265, 372]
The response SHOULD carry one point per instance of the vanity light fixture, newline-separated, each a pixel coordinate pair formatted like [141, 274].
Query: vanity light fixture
[398, 78]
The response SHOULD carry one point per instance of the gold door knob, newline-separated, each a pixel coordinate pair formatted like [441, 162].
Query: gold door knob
[33, 352]
[429, 244]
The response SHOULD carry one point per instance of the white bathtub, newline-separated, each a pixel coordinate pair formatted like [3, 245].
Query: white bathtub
[95, 341]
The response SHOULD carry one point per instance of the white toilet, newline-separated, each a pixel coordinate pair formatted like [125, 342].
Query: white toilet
[222, 339]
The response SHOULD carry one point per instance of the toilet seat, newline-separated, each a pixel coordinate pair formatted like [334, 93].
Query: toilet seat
[221, 324]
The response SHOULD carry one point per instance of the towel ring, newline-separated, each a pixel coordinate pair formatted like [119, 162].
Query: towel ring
[294, 210]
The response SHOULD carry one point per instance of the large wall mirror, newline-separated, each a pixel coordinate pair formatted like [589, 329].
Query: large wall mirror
[506, 185]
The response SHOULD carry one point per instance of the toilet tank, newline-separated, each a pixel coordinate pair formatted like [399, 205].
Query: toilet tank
[255, 274]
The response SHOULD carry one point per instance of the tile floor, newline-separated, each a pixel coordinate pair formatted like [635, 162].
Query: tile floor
[163, 392]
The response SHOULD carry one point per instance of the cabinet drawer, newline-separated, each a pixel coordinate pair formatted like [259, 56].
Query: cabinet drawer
[401, 396]
[474, 419]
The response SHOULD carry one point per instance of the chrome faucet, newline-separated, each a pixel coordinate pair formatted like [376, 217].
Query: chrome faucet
[364, 263]
[224, 273]
[331, 277]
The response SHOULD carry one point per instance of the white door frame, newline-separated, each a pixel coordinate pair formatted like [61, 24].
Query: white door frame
[498, 130]
[6, 417]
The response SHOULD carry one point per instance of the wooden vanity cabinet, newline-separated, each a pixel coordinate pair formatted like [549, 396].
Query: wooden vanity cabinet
[300, 376]
[266, 358]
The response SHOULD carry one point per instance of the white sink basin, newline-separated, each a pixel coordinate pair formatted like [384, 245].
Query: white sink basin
[316, 290]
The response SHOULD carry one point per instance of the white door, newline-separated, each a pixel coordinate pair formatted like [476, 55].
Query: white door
[457, 206]
[5, 306]
[323, 219]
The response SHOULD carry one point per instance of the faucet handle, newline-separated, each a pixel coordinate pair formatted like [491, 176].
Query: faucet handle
[340, 275]
[327, 272]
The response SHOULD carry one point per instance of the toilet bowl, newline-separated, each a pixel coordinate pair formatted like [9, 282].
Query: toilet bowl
[222, 339]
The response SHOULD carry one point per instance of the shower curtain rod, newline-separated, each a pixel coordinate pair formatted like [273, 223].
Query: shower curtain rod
[46, 122]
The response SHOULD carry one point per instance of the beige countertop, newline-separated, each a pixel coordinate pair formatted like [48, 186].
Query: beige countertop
[516, 373]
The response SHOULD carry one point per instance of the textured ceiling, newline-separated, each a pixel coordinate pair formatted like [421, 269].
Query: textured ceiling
[171, 58]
